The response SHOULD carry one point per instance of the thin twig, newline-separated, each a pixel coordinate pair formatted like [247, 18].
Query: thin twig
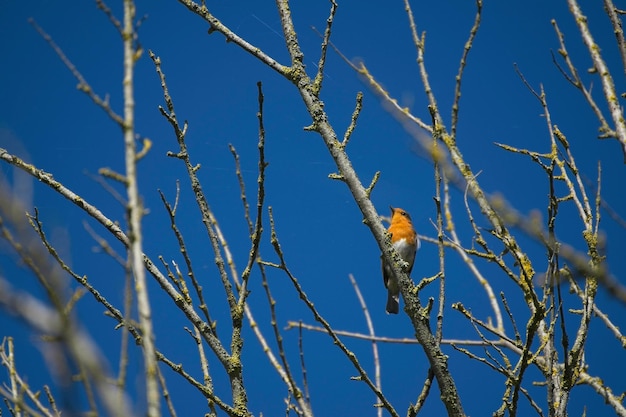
[372, 334]
[319, 78]
[355, 116]
[355, 362]
[83, 85]
[384, 339]
[218, 26]
[462, 64]
[305, 380]
[574, 78]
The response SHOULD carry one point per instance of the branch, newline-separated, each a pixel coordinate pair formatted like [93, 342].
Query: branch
[575, 80]
[611, 11]
[317, 84]
[612, 99]
[205, 329]
[232, 363]
[46, 320]
[83, 85]
[353, 359]
[217, 26]
[372, 335]
[459, 77]
[135, 213]
[420, 321]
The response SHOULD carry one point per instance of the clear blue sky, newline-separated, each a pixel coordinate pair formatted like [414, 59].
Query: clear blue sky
[46, 121]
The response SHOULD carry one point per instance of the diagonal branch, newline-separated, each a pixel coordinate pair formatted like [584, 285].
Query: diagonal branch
[83, 85]
[608, 86]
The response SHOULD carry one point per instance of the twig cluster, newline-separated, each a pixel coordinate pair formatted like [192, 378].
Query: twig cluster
[511, 344]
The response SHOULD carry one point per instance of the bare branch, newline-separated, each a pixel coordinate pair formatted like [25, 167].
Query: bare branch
[612, 12]
[611, 96]
[319, 78]
[372, 334]
[48, 321]
[462, 64]
[217, 26]
[353, 359]
[83, 85]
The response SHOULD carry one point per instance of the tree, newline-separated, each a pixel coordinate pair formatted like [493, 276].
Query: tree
[206, 295]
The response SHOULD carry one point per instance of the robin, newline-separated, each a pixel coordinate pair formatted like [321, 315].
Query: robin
[405, 241]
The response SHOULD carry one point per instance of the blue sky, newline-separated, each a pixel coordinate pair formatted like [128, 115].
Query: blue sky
[46, 121]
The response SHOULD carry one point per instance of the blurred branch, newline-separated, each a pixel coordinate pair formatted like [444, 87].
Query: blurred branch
[205, 329]
[19, 392]
[83, 280]
[612, 12]
[559, 164]
[605, 392]
[107, 11]
[135, 213]
[166, 394]
[57, 321]
[46, 320]
[123, 320]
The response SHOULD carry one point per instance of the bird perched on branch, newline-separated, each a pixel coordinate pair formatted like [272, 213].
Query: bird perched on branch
[405, 241]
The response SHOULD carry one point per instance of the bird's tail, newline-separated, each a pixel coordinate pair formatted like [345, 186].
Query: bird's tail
[393, 305]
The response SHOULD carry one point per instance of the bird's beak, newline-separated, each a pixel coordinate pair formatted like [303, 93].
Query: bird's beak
[392, 209]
